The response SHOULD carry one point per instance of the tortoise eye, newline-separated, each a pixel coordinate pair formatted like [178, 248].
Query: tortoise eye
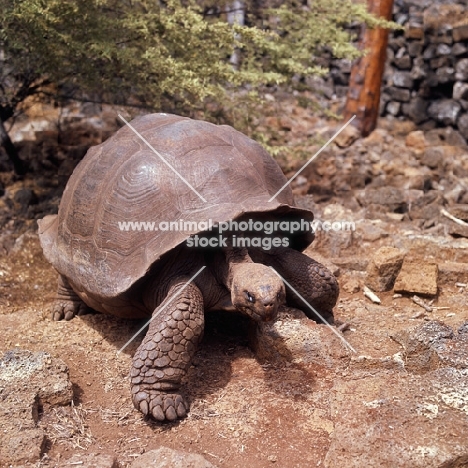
[249, 296]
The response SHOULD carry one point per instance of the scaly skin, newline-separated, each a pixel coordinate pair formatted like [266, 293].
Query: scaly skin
[315, 283]
[67, 304]
[164, 356]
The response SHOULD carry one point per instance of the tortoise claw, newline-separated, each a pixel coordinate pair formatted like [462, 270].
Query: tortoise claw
[163, 407]
[67, 309]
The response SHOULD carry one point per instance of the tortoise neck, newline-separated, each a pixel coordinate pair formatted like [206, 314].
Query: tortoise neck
[235, 257]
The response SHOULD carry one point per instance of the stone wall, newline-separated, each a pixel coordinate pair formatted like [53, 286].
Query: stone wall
[426, 75]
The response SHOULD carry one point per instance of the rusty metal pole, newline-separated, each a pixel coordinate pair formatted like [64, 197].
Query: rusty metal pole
[363, 99]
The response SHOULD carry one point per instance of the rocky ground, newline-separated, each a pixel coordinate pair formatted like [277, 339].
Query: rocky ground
[387, 386]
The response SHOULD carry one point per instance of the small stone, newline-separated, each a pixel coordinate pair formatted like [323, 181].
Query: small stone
[461, 70]
[418, 277]
[433, 157]
[453, 272]
[357, 263]
[285, 123]
[460, 211]
[445, 38]
[460, 91]
[430, 52]
[416, 140]
[443, 49]
[376, 137]
[393, 108]
[445, 111]
[432, 345]
[22, 445]
[391, 198]
[28, 380]
[347, 137]
[415, 48]
[445, 75]
[402, 80]
[414, 31]
[25, 197]
[351, 285]
[437, 63]
[459, 49]
[418, 71]
[417, 110]
[399, 94]
[403, 63]
[373, 233]
[444, 137]
[457, 230]
[298, 340]
[426, 207]
[92, 459]
[384, 268]
[165, 457]
[463, 125]
[436, 156]
[460, 33]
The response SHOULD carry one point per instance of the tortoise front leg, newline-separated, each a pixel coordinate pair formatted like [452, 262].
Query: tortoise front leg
[67, 304]
[164, 356]
[315, 283]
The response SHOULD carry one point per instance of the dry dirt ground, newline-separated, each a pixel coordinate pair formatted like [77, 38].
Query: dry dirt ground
[247, 411]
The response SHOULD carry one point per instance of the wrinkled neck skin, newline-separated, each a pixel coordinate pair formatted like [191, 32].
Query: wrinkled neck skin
[235, 260]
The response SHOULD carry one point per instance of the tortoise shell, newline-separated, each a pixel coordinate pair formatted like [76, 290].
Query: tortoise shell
[124, 180]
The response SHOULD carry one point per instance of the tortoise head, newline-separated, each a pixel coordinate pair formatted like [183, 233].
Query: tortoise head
[257, 291]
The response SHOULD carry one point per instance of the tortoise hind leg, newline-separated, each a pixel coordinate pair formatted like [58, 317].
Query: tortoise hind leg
[67, 304]
[164, 356]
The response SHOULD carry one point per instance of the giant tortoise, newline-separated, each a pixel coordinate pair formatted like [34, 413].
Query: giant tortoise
[169, 169]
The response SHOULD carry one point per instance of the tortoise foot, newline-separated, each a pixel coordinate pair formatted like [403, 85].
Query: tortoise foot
[67, 309]
[67, 303]
[159, 405]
